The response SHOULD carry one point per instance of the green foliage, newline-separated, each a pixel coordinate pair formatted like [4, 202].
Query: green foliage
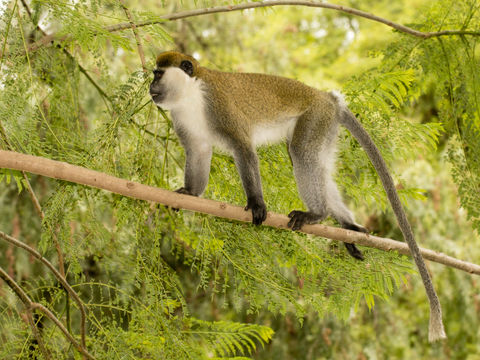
[376, 97]
[229, 338]
[160, 284]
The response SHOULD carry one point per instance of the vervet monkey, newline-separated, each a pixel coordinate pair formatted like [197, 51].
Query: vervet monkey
[239, 111]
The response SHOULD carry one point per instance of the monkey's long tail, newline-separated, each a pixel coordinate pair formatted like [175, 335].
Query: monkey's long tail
[347, 119]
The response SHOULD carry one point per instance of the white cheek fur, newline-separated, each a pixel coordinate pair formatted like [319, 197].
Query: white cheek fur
[177, 85]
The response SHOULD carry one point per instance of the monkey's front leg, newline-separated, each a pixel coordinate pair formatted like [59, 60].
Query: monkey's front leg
[246, 161]
[197, 167]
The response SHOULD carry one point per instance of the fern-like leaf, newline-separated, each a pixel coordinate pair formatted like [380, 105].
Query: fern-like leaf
[230, 338]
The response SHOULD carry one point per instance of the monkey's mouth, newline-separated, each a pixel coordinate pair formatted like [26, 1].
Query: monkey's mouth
[157, 97]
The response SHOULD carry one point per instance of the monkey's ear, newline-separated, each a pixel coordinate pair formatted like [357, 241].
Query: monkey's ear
[187, 66]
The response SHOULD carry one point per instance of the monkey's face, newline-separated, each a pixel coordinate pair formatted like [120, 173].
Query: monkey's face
[172, 83]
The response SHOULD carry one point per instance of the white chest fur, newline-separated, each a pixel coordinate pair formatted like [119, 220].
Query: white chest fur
[189, 116]
[186, 102]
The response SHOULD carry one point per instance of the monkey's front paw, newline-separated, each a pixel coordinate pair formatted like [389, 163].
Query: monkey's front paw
[299, 218]
[259, 211]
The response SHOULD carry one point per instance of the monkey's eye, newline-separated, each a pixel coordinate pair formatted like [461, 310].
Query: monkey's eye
[187, 66]
[157, 73]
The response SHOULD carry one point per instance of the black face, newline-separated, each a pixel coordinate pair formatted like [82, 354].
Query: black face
[156, 89]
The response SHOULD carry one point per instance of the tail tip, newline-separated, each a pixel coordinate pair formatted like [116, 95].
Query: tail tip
[436, 330]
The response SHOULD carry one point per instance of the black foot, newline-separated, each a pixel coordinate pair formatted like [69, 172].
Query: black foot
[351, 248]
[353, 251]
[259, 210]
[299, 218]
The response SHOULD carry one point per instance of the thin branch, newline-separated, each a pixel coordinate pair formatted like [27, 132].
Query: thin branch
[261, 4]
[49, 39]
[67, 334]
[80, 67]
[137, 37]
[76, 174]
[59, 277]
[36, 333]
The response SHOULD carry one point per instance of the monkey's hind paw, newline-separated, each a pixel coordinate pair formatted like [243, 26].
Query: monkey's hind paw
[299, 218]
[355, 227]
[353, 251]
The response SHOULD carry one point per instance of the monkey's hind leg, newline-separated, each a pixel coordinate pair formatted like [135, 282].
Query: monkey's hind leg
[342, 214]
[312, 151]
[303, 149]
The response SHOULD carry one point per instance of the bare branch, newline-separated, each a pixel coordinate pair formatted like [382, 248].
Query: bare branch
[261, 4]
[61, 170]
[49, 39]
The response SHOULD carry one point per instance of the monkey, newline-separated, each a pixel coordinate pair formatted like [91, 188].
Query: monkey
[237, 112]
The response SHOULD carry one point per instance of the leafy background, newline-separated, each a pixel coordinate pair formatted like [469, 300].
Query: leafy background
[164, 285]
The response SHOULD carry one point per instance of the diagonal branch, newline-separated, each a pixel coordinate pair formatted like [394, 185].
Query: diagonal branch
[76, 174]
[80, 67]
[60, 277]
[30, 305]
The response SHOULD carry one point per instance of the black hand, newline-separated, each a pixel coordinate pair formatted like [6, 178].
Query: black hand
[259, 210]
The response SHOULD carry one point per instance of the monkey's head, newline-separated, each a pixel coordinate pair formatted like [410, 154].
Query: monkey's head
[174, 76]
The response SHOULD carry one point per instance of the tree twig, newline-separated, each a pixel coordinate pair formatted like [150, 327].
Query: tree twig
[137, 36]
[80, 67]
[64, 171]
